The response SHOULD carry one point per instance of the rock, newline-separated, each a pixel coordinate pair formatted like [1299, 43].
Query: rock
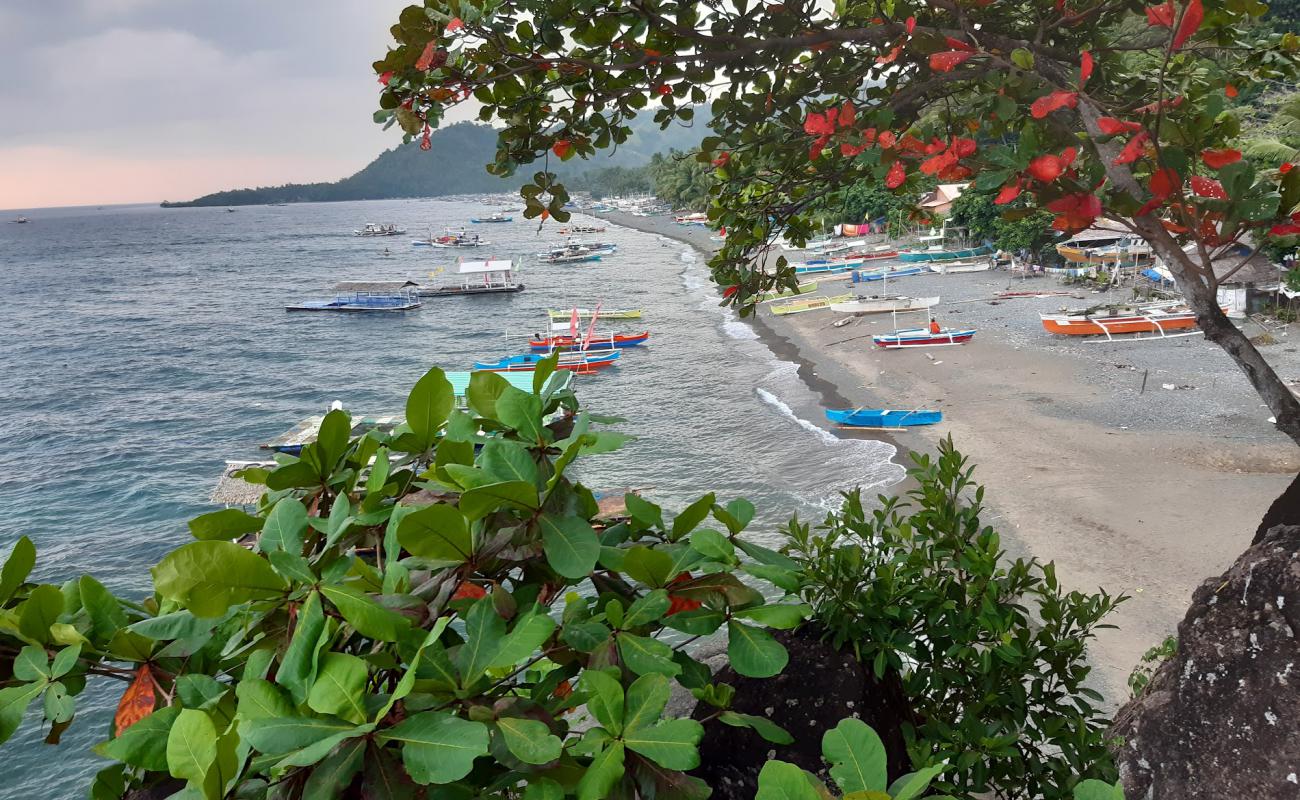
[819, 687]
[1219, 719]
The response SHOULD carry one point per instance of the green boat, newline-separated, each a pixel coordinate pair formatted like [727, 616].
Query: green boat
[937, 252]
[803, 288]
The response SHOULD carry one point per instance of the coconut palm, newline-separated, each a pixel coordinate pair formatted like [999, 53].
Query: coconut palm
[1281, 136]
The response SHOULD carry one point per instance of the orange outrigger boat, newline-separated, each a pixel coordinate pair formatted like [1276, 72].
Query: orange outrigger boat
[1152, 318]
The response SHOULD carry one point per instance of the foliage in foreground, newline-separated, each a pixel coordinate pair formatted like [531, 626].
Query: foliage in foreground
[990, 653]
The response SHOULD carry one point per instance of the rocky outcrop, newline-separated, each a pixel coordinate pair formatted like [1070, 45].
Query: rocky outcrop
[1220, 718]
[818, 688]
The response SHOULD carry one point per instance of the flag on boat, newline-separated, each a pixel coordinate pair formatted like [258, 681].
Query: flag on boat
[591, 329]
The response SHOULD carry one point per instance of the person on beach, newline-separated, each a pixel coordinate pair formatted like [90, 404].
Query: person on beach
[934, 327]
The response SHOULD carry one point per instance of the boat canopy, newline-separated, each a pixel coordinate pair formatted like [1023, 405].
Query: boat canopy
[479, 267]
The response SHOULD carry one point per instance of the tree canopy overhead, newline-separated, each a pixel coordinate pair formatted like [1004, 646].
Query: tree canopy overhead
[1090, 108]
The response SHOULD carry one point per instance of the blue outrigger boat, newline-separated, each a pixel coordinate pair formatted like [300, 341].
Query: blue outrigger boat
[882, 418]
[882, 274]
[582, 362]
[366, 296]
[938, 253]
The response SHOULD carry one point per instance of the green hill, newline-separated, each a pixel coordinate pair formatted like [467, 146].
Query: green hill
[453, 165]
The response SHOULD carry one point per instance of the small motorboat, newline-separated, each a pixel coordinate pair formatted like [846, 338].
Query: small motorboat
[374, 229]
[497, 217]
[923, 337]
[20, 221]
[882, 418]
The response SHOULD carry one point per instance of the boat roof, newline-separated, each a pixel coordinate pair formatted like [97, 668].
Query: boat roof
[373, 286]
[476, 267]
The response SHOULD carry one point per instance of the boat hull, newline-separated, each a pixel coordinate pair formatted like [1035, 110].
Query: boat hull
[602, 342]
[457, 291]
[351, 308]
[882, 418]
[568, 361]
[922, 337]
[884, 305]
[944, 255]
[867, 277]
[811, 304]
[957, 269]
[1067, 325]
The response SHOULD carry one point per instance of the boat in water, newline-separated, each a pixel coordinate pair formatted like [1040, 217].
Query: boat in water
[452, 237]
[477, 277]
[20, 220]
[882, 418]
[597, 341]
[923, 337]
[497, 217]
[884, 305]
[375, 229]
[366, 296]
[579, 361]
[581, 229]
[587, 313]
[1146, 318]
[803, 304]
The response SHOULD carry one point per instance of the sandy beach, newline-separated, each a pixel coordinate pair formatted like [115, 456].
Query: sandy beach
[1138, 467]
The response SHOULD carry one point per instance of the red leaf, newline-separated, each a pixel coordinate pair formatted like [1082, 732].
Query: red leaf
[563, 690]
[1163, 183]
[1230, 90]
[958, 44]
[386, 77]
[1285, 229]
[469, 591]
[1286, 167]
[1208, 187]
[887, 139]
[1133, 150]
[847, 114]
[425, 142]
[819, 124]
[677, 604]
[1009, 192]
[851, 150]
[426, 58]
[1161, 16]
[1046, 168]
[955, 173]
[889, 57]
[663, 89]
[896, 176]
[1111, 126]
[1051, 102]
[137, 701]
[730, 290]
[1191, 22]
[723, 159]
[1218, 159]
[561, 147]
[948, 60]
[911, 25]
[1085, 68]
[456, 24]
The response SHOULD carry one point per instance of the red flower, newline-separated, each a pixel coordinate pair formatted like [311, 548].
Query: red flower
[896, 175]
[426, 58]
[1068, 155]
[847, 114]
[1218, 159]
[1111, 126]
[1009, 192]
[723, 159]
[936, 164]
[456, 24]
[1230, 90]
[965, 148]
[1133, 150]
[817, 146]
[1085, 68]
[910, 25]
[425, 142]
[887, 139]
[948, 60]
[1191, 22]
[1046, 168]
[386, 77]
[817, 123]
[1208, 187]
[889, 57]
[1286, 167]
[1162, 16]
[1049, 103]
[561, 147]
[663, 89]
[850, 150]
[958, 44]
[1074, 212]
[1285, 229]
[730, 290]
[469, 591]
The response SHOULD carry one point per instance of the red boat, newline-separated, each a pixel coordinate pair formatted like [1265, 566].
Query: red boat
[600, 342]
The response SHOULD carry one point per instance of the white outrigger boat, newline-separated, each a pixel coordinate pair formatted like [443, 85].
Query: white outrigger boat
[375, 229]
[962, 266]
[883, 305]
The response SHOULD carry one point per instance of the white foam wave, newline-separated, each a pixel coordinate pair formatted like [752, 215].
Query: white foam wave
[688, 256]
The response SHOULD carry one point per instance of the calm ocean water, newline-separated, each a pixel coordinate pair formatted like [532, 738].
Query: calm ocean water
[141, 347]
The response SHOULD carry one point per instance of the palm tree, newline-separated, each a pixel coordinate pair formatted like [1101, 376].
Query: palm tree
[1280, 141]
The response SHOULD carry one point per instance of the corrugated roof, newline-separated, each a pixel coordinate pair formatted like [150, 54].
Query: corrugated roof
[373, 286]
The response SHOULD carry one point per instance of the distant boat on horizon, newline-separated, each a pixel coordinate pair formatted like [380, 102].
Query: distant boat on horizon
[19, 221]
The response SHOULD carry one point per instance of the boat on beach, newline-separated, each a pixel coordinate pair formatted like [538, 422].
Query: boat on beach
[581, 229]
[923, 337]
[962, 266]
[375, 229]
[774, 294]
[882, 418]
[859, 276]
[1106, 244]
[883, 304]
[497, 217]
[940, 252]
[809, 304]
[587, 313]
[366, 296]
[579, 361]
[477, 277]
[827, 267]
[1108, 321]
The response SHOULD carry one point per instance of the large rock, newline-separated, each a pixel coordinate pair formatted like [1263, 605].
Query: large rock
[818, 688]
[1222, 717]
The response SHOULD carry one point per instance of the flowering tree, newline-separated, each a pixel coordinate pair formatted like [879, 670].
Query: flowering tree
[1092, 108]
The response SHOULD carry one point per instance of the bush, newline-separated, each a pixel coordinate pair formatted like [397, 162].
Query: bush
[991, 654]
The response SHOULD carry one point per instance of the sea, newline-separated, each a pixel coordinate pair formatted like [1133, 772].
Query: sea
[141, 347]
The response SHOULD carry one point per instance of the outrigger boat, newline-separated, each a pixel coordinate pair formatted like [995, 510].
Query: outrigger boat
[809, 304]
[581, 229]
[478, 277]
[599, 341]
[1109, 321]
[373, 229]
[587, 313]
[773, 294]
[885, 274]
[938, 252]
[962, 266]
[923, 337]
[571, 258]
[883, 305]
[579, 361]
[882, 418]
[497, 217]
[1103, 245]
[366, 296]
[827, 267]
[452, 237]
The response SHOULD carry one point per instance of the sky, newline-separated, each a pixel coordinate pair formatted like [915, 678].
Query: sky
[123, 101]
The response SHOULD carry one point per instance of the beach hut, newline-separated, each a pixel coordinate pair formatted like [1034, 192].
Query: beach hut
[1247, 281]
[939, 202]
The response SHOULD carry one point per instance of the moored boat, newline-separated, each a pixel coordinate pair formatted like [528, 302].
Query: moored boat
[571, 258]
[885, 274]
[586, 313]
[809, 304]
[361, 296]
[882, 418]
[477, 277]
[579, 361]
[375, 229]
[1108, 321]
[939, 252]
[827, 267]
[598, 341]
[497, 217]
[962, 266]
[923, 337]
[452, 237]
[884, 305]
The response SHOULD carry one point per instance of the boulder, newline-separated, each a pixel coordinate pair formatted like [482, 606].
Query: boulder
[1220, 718]
[818, 688]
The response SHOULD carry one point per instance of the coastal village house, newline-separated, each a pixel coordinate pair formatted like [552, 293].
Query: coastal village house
[939, 202]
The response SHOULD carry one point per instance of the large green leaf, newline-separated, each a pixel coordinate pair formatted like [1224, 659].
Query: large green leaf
[763, 726]
[485, 388]
[209, 577]
[782, 617]
[692, 516]
[571, 546]
[779, 780]
[261, 699]
[340, 687]
[284, 527]
[649, 566]
[333, 775]
[144, 744]
[484, 630]
[604, 699]
[438, 747]
[17, 567]
[645, 702]
[522, 411]
[483, 500]
[647, 609]
[191, 746]
[857, 757]
[644, 655]
[508, 461]
[529, 740]
[13, 704]
[228, 523]
[914, 784]
[367, 616]
[753, 651]
[103, 609]
[1093, 789]
[438, 533]
[39, 611]
[672, 744]
[428, 406]
[530, 632]
[606, 770]
[283, 735]
[297, 669]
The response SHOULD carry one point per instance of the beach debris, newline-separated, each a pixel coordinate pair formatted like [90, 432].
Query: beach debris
[1174, 386]
[841, 323]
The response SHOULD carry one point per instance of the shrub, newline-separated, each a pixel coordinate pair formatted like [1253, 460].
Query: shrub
[990, 652]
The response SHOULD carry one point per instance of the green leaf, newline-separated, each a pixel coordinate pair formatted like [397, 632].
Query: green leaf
[753, 652]
[283, 735]
[340, 687]
[332, 776]
[209, 577]
[59, 707]
[777, 576]
[200, 691]
[428, 406]
[692, 516]
[298, 667]
[763, 726]
[651, 567]
[176, 625]
[604, 699]
[857, 757]
[529, 740]
[543, 371]
[523, 412]
[483, 500]
[228, 523]
[64, 661]
[1093, 789]
[644, 655]
[485, 388]
[144, 744]
[782, 617]
[914, 784]
[672, 744]
[604, 773]
[530, 632]
[437, 533]
[191, 746]
[261, 699]
[543, 789]
[713, 545]
[367, 616]
[508, 461]
[284, 527]
[438, 747]
[39, 611]
[17, 567]
[647, 514]
[1022, 58]
[484, 630]
[645, 610]
[571, 546]
[103, 609]
[779, 780]
[31, 664]
[13, 704]
[646, 699]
